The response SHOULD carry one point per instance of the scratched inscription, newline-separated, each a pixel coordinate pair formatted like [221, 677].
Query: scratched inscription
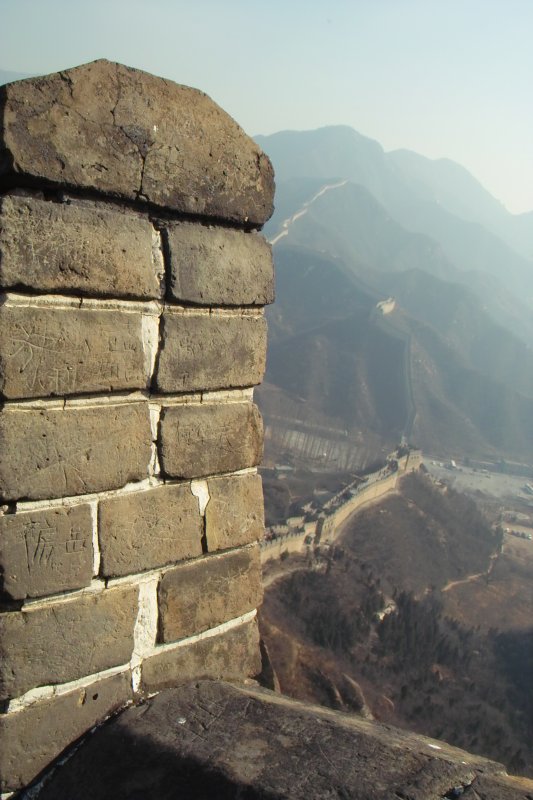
[71, 451]
[76, 246]
[219, 266]
[205, 440]
[59, 352]
[209, 352]
[234, 514]
[146, 530]
[43, 552]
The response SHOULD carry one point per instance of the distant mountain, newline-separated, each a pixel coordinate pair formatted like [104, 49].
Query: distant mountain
[438, 199]
[453, 188]
[348, 222]
[456, 314]
[436, 368]
[404, 307]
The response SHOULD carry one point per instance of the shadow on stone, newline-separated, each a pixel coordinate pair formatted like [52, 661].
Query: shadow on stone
[214, 740]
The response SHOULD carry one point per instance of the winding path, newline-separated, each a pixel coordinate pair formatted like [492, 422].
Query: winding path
[475, 577]
[285, 225]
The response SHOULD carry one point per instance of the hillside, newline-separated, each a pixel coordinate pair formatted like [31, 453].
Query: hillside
[466, 232]
[362, 627]
[436, 369]
[450, 362]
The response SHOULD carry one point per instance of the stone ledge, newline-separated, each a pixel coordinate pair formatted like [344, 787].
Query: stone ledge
[114, 130]
[211, 739]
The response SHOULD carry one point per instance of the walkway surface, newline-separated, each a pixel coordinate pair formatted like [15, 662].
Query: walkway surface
[214, 740]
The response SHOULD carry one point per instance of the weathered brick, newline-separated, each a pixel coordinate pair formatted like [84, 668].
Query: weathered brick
[201, 351]
[73, 450]
[199, 440]
[45, 551]
[219, 266]
[51, 351]
[125, 133]
[77, 246]
[149, 529]
[64, 641]
[229, 656]
[31, 738]
[208, 592]
[234, 514]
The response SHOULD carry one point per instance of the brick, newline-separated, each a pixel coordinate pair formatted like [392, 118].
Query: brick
[201, 595]
[76, 246]
[219, 266]
[45, 551]
[229, 656]
[234, 514]
[64, 641]
[199, 440]
[201, 351]
[124, 133]
[74, 450]
[31, 738]
[50, 351]
[149, 529]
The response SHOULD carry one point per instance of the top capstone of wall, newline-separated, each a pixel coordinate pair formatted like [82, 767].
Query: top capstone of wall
[110, 129]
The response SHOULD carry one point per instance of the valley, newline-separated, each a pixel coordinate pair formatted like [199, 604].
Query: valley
[404, 313]
[418, 614]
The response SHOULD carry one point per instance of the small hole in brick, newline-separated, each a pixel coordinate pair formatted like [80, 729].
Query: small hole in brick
[95, 696]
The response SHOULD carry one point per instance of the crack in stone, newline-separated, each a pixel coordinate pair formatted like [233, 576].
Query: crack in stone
[142, 149]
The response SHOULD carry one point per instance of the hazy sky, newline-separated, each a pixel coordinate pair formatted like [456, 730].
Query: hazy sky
[447, 78]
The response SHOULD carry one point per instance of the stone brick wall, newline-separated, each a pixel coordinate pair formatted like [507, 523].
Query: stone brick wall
[131, 336]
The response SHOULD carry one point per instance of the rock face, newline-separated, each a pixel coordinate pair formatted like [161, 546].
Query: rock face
[131, 334]
[215, 740]
[124, 133]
